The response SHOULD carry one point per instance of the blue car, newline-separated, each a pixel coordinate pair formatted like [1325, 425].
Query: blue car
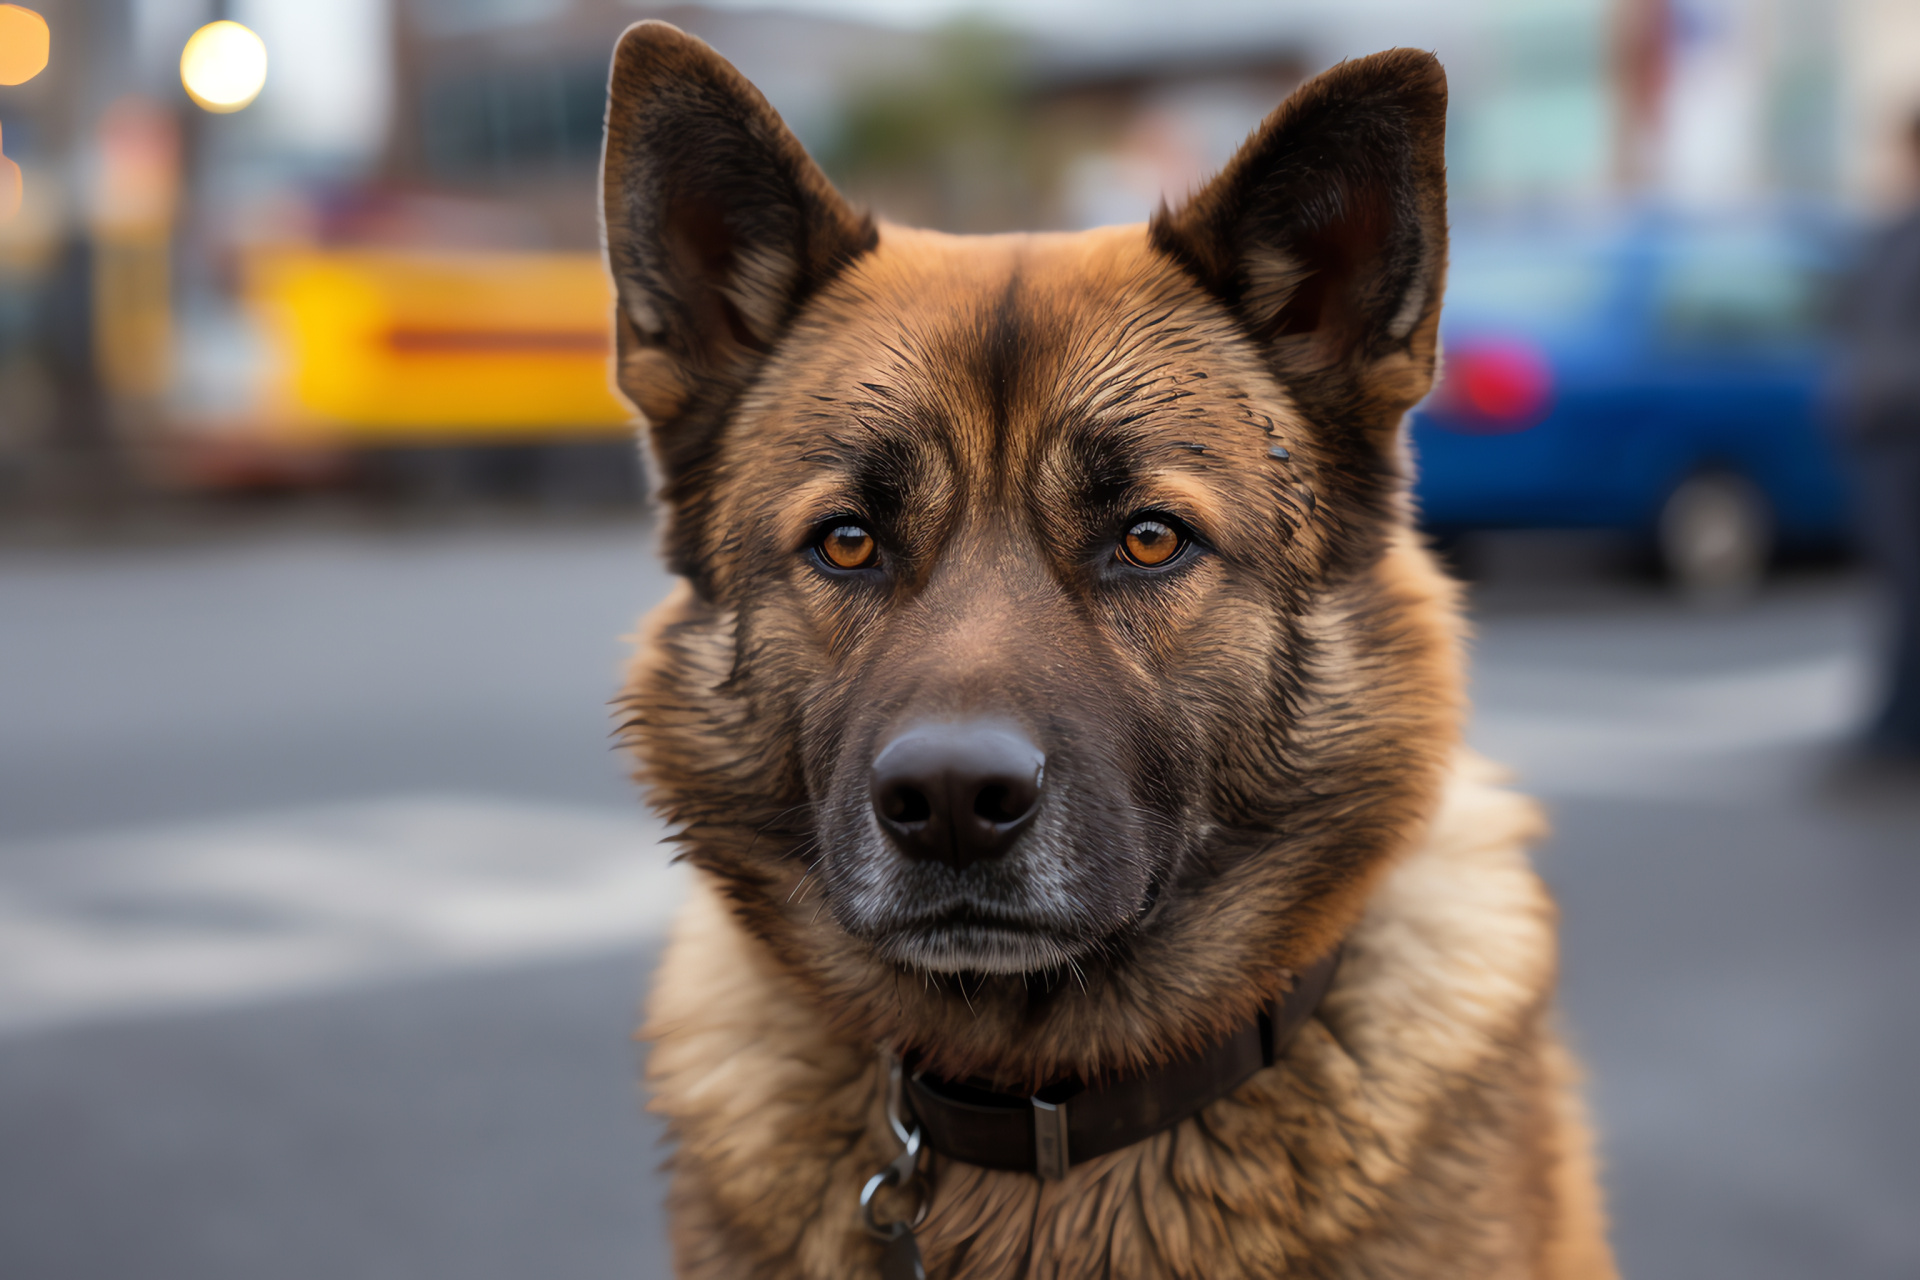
[1663, 379]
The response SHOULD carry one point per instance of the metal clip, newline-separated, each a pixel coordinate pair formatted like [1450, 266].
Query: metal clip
[1050, 1157]
[908, 1159]
[903, 1170]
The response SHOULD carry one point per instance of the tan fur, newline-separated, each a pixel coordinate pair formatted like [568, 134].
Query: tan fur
[1311, 1168]
[1252, 751]
[1434, 1048]
[933, 278]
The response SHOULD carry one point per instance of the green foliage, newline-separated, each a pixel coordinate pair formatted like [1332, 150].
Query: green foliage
[953, 129]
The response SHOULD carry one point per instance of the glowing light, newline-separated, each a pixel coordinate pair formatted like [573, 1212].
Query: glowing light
[223, 66]
[1494, 387]
[12, 188]
[24, 43]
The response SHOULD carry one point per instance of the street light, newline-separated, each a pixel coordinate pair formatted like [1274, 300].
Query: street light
[223, 66]
[24, 44]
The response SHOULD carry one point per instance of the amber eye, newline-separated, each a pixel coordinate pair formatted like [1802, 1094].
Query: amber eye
[848, 547]
[1151, 543]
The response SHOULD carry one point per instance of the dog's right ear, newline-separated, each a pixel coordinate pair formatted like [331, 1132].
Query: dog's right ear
[718, 227]
[1327, 235]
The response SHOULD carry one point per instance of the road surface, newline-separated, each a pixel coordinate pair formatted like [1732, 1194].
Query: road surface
[325, 912]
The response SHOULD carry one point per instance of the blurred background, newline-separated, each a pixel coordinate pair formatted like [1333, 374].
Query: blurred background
[325, 909]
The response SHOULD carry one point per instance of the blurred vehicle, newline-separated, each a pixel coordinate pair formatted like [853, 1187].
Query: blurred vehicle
[382, 346]
[1661, 378]
[453, 373]
[440, 325]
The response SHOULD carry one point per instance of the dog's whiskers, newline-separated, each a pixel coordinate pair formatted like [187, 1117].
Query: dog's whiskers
[1078, 975]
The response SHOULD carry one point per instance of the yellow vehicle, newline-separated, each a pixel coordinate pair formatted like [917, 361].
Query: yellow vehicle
[392, 347]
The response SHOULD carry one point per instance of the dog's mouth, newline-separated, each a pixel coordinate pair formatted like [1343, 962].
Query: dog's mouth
[970, 941]
[1065, 890]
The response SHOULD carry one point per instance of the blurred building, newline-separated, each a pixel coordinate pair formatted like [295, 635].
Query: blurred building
[1878, 92]
[500, 106]
[1126, 129]
[392, 252]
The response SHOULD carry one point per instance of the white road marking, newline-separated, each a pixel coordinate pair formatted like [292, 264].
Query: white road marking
[255, 907]
[1587, 733]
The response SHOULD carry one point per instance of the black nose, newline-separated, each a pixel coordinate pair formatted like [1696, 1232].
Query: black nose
[957, 791]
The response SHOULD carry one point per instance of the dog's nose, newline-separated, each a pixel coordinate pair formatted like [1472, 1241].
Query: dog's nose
[957, 792]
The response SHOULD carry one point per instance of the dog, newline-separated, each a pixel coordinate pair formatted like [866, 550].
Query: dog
[1056, 702]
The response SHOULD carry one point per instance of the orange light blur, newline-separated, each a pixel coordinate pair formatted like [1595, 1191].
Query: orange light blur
[24, 45]
[12, 188]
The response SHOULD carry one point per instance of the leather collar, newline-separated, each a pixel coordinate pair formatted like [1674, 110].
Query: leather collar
[1068, 1122]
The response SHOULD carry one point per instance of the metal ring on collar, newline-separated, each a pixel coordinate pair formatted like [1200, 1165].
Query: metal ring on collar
[887, 1176]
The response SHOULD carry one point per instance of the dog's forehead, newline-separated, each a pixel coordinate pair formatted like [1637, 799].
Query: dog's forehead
[1003, 347]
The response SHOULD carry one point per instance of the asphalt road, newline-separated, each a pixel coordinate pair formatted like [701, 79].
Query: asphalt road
[325, 912]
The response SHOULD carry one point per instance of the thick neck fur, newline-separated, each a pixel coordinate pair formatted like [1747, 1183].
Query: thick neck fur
[1421, 1124]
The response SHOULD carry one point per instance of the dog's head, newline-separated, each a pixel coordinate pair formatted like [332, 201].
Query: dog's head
[1056, 663]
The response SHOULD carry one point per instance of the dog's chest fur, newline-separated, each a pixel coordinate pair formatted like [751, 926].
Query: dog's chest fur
[1058, 670]
[1421, 1124]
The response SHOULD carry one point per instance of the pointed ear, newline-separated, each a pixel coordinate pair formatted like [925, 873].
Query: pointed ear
[1327, 235]
[718, 227]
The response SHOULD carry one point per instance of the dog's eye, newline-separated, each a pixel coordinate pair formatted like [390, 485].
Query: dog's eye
[848, 546]
[1151, 543]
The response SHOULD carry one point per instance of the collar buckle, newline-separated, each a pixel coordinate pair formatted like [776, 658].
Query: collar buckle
[1050, 1154]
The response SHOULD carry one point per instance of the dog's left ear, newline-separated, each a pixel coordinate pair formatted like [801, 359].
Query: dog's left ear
[1327, 235]
[718, 228]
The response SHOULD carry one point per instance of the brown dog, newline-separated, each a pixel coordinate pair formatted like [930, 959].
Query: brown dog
[1055, 679]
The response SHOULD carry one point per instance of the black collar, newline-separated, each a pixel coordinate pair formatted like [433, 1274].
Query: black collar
[1068, 1122]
